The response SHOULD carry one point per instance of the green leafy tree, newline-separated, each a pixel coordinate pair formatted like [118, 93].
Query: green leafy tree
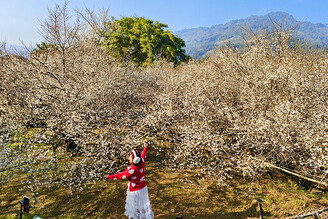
[143, 41]
[45, 47]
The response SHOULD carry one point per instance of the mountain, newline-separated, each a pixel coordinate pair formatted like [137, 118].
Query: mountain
[13, 48]
[201, 40]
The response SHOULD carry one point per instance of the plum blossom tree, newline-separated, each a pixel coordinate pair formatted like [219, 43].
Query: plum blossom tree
[69, 115]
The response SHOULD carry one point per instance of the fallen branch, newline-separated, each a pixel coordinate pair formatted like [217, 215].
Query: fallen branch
[296, 174]
[315, 214]
[287, 171]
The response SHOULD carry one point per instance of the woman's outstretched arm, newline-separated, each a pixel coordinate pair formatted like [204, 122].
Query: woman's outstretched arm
[126, 174]
[144, 152]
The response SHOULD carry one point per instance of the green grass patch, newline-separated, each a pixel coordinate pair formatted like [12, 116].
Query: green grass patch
[170, 197]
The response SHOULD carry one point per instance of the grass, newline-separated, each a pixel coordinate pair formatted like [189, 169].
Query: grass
[171, 197]
[268, 98]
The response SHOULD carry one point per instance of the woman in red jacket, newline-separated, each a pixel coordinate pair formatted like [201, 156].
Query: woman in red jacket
[137, 199]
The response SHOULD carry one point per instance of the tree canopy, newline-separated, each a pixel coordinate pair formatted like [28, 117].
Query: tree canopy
[44, 47]
[143, 41]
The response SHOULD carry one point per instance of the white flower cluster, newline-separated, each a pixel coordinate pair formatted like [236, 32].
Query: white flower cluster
[69, 114]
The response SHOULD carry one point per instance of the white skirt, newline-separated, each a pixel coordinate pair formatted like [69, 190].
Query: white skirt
[137, 204]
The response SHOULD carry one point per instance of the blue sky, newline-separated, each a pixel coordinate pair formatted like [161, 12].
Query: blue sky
[19, 19]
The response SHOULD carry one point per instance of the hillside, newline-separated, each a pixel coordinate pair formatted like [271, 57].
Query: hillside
[171, 197]
[218, 131]
[203, 39]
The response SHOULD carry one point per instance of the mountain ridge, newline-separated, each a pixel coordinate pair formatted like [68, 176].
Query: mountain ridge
[201, 40]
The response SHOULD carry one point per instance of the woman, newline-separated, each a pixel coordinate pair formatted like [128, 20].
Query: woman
[137, 199]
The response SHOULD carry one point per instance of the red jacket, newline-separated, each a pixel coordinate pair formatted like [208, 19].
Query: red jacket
[135, 174]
